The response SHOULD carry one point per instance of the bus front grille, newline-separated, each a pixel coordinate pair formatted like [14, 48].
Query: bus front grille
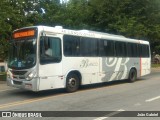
[15, 72]
[17, 82]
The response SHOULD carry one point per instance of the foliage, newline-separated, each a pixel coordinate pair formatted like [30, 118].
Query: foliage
[155, 65]
[2, 76]
[132, 18]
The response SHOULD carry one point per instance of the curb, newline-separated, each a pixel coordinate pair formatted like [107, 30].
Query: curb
[155, 69]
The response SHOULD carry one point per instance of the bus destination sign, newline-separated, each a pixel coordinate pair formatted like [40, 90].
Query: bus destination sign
[26, 33]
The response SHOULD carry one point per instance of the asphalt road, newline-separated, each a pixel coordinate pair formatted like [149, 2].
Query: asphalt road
[110, 98]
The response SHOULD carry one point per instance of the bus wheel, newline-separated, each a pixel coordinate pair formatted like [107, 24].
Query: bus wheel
[132, 75]
[72, 83]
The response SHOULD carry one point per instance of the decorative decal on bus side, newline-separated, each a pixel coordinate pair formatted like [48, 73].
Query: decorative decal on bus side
[78, 33]
[118, 65]
[86, 63]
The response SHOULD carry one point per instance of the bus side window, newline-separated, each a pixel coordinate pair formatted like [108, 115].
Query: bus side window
[89, 47]
[50, 50]
[133, 50]
[121, 49]
[106, 48]
[71, 45]
[144, 50]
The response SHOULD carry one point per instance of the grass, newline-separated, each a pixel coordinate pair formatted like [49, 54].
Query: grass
[155, 65]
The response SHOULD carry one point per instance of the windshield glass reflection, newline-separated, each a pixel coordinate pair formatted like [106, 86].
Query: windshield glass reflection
[22, 54]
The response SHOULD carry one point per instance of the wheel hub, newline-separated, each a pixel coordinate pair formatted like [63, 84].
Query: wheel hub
[72, 82]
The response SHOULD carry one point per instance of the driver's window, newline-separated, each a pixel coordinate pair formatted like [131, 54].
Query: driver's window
[50, 50]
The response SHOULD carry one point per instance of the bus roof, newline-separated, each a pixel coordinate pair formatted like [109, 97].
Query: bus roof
[85, 33]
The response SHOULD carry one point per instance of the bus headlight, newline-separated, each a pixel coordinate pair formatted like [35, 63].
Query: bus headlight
[31, 75]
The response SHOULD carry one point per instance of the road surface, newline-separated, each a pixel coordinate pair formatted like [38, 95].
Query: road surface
[110, 98]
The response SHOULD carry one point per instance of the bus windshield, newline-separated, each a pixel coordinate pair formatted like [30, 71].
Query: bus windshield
[22, 54]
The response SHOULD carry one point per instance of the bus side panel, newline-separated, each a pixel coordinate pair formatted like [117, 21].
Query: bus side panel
[117, 68]
[87, 66]
[51, 76]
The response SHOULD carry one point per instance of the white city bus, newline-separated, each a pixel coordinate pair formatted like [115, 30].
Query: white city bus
[42, 58]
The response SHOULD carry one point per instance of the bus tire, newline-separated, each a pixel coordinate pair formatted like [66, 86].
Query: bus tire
[132, 75]
[72, 83]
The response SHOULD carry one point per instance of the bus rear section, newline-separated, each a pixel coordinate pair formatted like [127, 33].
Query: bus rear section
[145, 58]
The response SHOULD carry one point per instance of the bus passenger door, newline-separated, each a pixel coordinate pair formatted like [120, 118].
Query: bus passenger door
[50, 68]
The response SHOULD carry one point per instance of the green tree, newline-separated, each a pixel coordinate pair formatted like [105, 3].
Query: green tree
[13, 15]
[132, 18]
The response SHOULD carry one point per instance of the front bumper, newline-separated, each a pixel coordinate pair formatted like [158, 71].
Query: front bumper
[24, 84]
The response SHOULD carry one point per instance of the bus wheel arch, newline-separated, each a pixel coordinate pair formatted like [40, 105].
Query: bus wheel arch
[73, 81]
[132, 75]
